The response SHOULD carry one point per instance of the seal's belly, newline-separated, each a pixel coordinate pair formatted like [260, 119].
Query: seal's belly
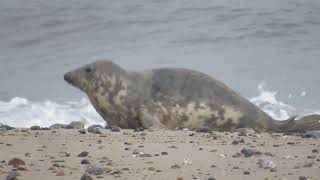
[195, 115]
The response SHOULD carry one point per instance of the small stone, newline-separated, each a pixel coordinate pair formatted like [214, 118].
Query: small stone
[137, 151]
[266, 164]
[13, 176]
[315, 151]
[247, 152]
[61, 173]
[85, 161]
[164, 153]
[246, 173]
[83, 154]
[222, 155]
[15, 162]
[245, 131]
[236, 155]
[139, 129]
[95, 129]
[303, 178]
[311, 157]
[236, 142]
[311, 134]
[55, 165]
[187, 161]
[82, 131]
[291, 143]
[145, 155]
[179, 178]
[34, 128]
[204, 129]
[86, 177]
[310, 164]
[176, 166]
[211, 178]
[115, 129]
[75, 125]
[58, 126]
[95, 169]
[152, 169]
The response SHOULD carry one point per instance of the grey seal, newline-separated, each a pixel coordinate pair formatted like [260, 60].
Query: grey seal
[170, 98]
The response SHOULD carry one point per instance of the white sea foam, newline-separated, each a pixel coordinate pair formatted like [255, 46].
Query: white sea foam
[268, 102]
[21, 112]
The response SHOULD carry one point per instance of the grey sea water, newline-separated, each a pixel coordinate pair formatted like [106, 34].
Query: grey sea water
[240, 42]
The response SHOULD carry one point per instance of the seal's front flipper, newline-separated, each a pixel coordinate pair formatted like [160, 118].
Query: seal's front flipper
[149, 121]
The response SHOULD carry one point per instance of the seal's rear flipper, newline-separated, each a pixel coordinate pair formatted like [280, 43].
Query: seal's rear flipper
[286, 125]
[300, 124]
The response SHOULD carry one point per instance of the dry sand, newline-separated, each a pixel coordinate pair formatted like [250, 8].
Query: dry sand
[48, 153]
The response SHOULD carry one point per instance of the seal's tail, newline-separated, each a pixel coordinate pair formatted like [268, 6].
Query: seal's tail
[299, 124]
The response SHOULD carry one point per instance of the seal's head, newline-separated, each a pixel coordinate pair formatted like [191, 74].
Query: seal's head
[89, 77]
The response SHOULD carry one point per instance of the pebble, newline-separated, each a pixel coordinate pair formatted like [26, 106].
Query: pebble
[179, 178]
[315, 151]
[176, 166]
[115, 129]
[13, 176]
[83, 154]
[96, 129]
[82, 131]
[86, 177]
[211, 178]
[75, 125]
[310, 164]
[187, 161]
[164, 153]
[222, 155]
[303, 178]
[145, 155]
[152, 169]
[95, 169]
[247, 152]
[15, 162]
[61, 173]
[311, 134]
[246, 173]
[139, 129]
[34, 128]
[204, 130]
[85, 161]
[266, 164]
[58, 126]
[137, 151]
[236, 142]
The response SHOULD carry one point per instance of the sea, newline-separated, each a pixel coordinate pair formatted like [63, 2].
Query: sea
[268, 51]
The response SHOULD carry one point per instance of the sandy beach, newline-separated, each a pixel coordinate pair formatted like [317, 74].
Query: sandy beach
[54, 154]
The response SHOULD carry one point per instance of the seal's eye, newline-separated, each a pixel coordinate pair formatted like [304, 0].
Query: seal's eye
[88, 70]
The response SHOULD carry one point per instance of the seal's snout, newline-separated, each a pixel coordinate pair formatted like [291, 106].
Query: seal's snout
[67, 77]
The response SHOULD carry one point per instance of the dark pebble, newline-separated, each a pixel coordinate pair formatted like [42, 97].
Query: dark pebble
[85, 161]
[34, 128]
[86, 177]
[83, 154]
[204, 130]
